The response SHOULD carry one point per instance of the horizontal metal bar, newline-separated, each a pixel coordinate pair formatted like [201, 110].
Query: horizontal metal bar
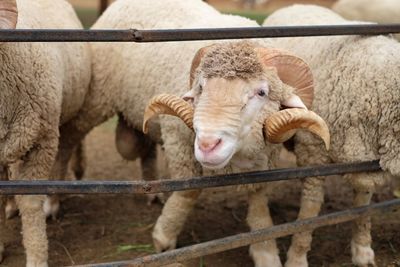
[246, 239]
[134, 35]
[147, 187]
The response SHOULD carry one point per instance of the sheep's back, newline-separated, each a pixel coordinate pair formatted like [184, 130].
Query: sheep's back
[139, 71]
[356, 78]
[62, 69]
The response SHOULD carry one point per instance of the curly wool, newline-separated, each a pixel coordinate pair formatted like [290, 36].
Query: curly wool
[357, 94]
[233, 60]
[379, 11]
[42, 87]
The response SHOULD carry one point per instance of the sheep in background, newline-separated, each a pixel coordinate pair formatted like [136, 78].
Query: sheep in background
[127, 75]
[251, 3]
[43, 86]
[357, 87]
[380, 11]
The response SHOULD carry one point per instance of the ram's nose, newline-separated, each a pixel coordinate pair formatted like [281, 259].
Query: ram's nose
[208, 144]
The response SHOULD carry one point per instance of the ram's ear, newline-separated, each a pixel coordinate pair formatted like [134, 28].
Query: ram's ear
[189, 96]
[292, 71]
[294, 101]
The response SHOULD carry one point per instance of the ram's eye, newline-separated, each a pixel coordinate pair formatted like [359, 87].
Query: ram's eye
[261, 92]
[200, 89]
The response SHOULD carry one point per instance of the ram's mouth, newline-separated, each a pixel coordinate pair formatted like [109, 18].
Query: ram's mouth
[215, 165]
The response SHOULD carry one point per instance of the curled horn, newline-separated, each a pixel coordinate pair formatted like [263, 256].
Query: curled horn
[196, 62]
[170, 105]
[280, 126]
[8, 14]
[292, 71]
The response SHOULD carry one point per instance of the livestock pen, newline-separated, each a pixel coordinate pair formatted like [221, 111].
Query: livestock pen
[202, 182]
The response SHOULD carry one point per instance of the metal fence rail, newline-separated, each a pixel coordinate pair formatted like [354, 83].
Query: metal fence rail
[134, 35]
[245, 239]
[147, 187]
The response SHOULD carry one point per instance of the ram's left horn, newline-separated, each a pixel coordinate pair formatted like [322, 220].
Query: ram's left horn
[170, 105]
[279, 127]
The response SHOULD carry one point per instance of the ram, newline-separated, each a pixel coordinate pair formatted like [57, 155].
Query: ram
[357, 93]
[245, 80]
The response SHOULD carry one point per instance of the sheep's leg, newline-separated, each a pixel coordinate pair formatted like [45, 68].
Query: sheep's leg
[78, 161]
[150, 172]
[258, 217]
[37, 165]
[309, 151]
[132, 144]
[181, 163]
[11, 207]
[173, 218]
[364, 187]
[310, 206]
[78, 164]
[3, 177]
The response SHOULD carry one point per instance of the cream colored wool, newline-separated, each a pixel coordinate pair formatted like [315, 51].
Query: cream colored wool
[126, 76]
[43, 85]
[380, 11]
[357, 93]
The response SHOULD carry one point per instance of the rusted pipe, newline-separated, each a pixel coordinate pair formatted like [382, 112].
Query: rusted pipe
[133, 35]
[245, 239]
[151, 187]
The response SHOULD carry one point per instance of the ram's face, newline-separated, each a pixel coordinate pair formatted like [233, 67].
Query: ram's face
[224, 112]
[235, 87]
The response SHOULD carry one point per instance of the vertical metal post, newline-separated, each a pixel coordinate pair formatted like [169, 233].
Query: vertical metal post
[103, 6]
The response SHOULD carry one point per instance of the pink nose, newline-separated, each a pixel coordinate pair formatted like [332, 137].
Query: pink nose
[208, 144]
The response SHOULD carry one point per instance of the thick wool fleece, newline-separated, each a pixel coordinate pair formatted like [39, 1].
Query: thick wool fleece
[360, 76]
[42, 86]
[357, 92]
[129, 73]
[234, 60]
[380, 11]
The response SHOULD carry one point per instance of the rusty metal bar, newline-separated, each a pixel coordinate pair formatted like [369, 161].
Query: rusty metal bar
[147, 187]
[134, 35]
[246, 239]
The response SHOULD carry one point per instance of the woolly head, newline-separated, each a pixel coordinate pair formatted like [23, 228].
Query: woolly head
[237, 92]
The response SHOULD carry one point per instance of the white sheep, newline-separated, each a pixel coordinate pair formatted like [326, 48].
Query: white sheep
[127, 75]
[380, 11]
[357, 93]
[43, 86]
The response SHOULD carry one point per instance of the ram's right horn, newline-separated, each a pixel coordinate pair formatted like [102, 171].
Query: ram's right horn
[170, 105]
[279, 127]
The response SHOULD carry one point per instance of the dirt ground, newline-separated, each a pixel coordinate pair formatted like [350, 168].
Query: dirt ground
[94, 229]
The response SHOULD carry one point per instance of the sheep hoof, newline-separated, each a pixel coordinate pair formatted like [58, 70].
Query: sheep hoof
[264, 258]
[161, 241]
[32, 263]
[299, 261]
[362, 256]
[11, 209]
[51, 207]
[154, 198]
